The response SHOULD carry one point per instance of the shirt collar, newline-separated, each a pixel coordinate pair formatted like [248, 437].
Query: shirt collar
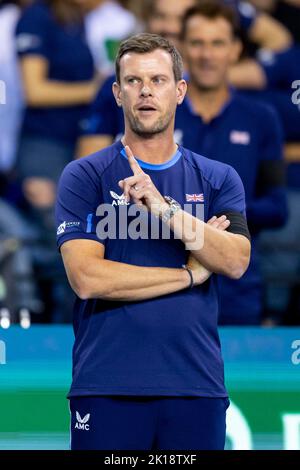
[232, 94]
[151, 166]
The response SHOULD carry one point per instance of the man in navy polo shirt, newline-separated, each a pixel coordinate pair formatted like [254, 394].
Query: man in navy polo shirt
[147, 365]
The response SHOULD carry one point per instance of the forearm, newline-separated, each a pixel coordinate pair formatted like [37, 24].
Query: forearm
[110, 280]
[269, 33]
[218, 251]
[54, 93]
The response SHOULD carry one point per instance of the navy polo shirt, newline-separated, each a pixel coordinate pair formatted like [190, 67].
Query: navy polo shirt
[69, 59]
[162, 346]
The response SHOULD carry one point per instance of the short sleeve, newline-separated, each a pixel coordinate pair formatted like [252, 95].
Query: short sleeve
[77, 200]
[230, 197]
[33, 31]
[102, 117]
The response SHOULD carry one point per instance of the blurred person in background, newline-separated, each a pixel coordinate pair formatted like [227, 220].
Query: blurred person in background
[243, 133]
[272, 77]
[59, 82]
[107, 24]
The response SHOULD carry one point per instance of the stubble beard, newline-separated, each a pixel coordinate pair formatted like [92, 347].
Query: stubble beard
[160, 126]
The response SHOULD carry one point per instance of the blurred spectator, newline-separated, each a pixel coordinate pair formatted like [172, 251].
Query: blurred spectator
[106, 25]
[270, 78]
[215, 121]
[58, 79]
[274, 75]
[11, 112]
[16, 262]
[164, 17]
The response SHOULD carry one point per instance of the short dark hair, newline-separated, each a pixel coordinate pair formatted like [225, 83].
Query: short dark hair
[146, 42]
[212, 10]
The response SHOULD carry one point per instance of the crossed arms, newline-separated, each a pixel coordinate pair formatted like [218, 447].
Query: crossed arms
[92, 276]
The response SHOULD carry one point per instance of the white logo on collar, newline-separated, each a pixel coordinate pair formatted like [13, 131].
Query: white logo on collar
[118, 200]
[240, 137]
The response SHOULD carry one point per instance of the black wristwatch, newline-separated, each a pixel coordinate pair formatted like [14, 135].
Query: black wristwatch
[174, 207]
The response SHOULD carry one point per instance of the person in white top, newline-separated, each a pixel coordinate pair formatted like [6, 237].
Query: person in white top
[106, 25]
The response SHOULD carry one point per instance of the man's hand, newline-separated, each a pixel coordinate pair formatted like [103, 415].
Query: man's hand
[141, 189]
[201, 274]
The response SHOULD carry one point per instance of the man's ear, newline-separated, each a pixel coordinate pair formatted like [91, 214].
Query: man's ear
[181, 89]
[116, 89]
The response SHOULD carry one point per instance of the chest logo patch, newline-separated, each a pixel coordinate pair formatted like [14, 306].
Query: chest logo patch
[194, 197]
[240, 137]
[118, 200]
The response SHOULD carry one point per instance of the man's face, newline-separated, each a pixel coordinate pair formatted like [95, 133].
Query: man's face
[166, 18]
[148, 92]
[209, 50]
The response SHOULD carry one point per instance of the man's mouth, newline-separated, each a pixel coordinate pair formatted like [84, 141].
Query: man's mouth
[146, 108]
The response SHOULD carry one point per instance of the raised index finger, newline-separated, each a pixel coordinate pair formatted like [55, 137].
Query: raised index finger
[132, 161]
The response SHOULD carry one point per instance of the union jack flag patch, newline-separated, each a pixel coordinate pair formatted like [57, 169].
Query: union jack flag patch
[194, 197]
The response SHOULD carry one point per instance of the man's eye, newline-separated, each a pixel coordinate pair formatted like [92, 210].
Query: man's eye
[158, 80]
[133, 80]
